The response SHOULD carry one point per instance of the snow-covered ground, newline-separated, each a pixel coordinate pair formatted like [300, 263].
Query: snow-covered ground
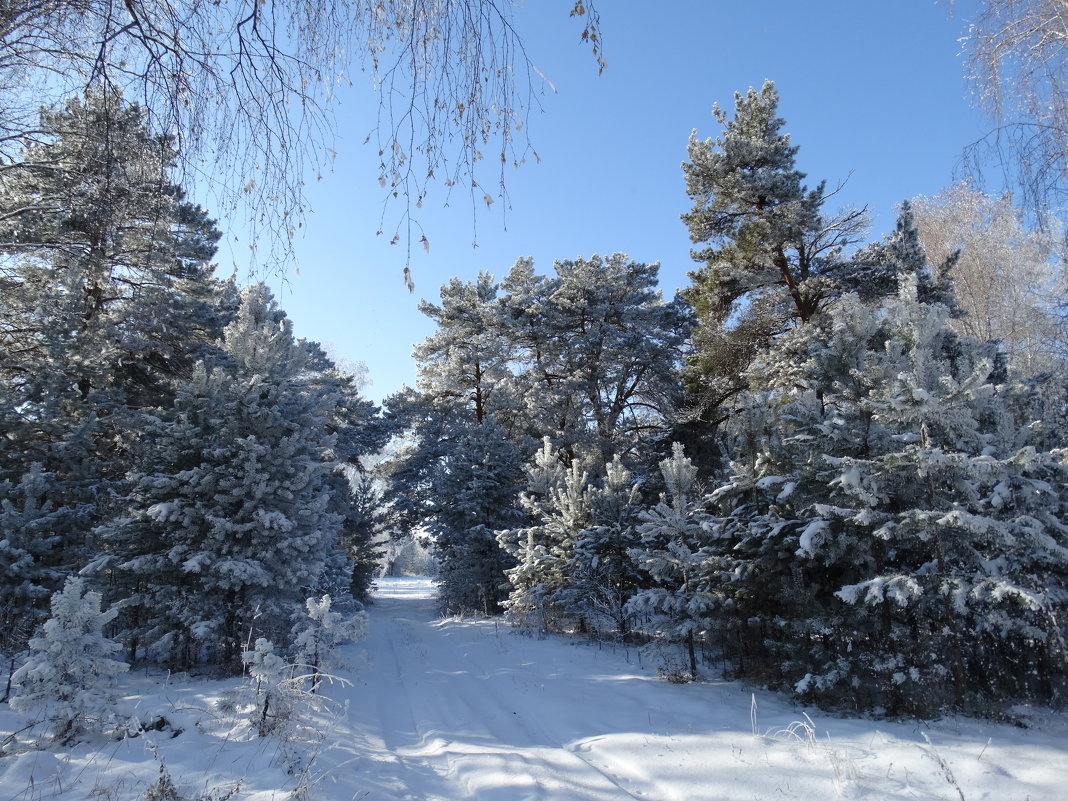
[442, 710]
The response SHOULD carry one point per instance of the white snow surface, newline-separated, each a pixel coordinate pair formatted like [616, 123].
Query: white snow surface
[448, 709]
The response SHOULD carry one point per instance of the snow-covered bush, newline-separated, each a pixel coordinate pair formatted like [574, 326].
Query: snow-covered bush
[69, 677]
[317, 637]
[277, 688]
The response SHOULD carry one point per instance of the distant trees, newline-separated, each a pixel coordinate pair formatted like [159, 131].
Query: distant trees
[1009, 281]
[586, 357]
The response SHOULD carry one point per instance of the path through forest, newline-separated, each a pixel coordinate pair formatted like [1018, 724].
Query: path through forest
[448, 709]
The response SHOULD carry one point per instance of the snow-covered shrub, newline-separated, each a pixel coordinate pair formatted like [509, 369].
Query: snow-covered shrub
[317, 637]
[277, 688]
[69, 677]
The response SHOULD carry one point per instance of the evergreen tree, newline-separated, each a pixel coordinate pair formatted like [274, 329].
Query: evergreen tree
[892, 539]
[69, 675]
[230, 529]
[602, 574]
[465, 362]
[573, 565]
[106, 301]
[596, 350]
[773, 259]
[557, 501]
[28, 525]
[476, 488]
[677, 554]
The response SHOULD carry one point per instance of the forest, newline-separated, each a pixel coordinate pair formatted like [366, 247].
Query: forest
[831, 466]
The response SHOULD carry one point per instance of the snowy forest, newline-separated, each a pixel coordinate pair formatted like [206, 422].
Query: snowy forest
[829, 466]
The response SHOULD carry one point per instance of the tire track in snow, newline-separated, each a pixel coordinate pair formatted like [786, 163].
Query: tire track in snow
[455, 725]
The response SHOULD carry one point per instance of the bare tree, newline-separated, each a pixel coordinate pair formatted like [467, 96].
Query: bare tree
[247, 87]
[1009, 281]
[1017, 58]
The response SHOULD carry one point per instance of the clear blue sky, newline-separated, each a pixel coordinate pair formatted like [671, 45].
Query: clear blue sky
[871, 91]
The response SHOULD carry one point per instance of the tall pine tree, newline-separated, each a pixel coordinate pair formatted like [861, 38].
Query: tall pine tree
[230, 527]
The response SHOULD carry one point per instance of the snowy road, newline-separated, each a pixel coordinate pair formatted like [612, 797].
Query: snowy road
[452, 709]
[456, 719]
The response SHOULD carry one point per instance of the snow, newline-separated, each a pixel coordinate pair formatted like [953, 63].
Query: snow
[445, 709]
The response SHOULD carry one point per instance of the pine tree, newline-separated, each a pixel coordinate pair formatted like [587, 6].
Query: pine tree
[69, 675]
[476, 487]
[231, 529]
[465, 362]
[557, 501]
[320, 632]
[676, 553]
[602, 576]
[106, 301]
[773, 259]
[595, 352]
[28, 524]
[891, 537]
[572, 561]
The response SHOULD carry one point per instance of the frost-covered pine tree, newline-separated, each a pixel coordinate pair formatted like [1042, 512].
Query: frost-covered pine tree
[230, 526]
[682, 568]
[557, 499]
[28, 539]
[107, 300]
[595, 349]
[770, 257]
[573, 565]
[69, 675]
[602, 576]
[891, 538]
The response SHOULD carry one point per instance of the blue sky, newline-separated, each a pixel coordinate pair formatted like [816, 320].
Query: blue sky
[872, 92]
